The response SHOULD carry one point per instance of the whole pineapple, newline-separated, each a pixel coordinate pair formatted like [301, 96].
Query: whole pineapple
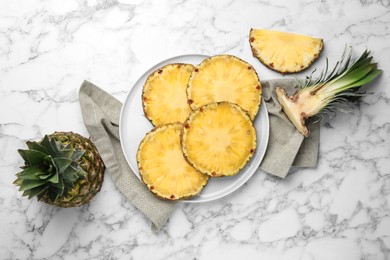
[63, 169]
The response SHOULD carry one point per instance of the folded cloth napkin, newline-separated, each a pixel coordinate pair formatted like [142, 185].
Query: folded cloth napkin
[287, 147]
[101, 113]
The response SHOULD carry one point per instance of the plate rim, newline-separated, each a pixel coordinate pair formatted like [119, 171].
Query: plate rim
[147, 72]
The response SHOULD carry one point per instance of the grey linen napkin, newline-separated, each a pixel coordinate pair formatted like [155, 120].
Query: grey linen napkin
[287, 148]
[101, 114]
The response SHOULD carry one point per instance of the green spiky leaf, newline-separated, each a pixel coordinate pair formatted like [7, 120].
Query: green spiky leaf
[18, 182]
[31, 173]
[39, 192]
[56, 146]
[47, 144]
[29, 184]
[73, 174]
[45, 176]
[32, 157]
[36, 146]
[367, 79]
[52, 194]
[54, 178]
[62, 163]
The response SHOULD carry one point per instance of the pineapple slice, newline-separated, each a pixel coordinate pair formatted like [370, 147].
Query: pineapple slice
[284, 52]
[163, 167]
[218, 139]
[164, 95]
[225, 78]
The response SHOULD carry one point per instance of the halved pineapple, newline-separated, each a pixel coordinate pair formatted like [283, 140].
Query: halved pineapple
[164, 95]
[218, 139]
[225, 78]
[163, 167]
[284, 52]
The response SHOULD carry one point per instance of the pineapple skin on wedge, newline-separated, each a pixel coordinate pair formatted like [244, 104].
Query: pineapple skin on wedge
[163, 167]
[218, 139]
[225, 78]
[164, 97]
[284, 52]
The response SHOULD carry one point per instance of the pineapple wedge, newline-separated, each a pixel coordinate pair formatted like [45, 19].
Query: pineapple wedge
[164, 169]
[218, 139]
[284, 52]
[164, 97]
[225, 78]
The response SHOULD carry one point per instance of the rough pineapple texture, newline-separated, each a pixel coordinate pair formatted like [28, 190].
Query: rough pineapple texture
[163, 167]
[225, 78]
[164, 95]
[284, 52]
[219, 139]
[91, 163]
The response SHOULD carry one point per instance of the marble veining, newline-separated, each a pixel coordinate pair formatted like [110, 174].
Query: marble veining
[340, 210]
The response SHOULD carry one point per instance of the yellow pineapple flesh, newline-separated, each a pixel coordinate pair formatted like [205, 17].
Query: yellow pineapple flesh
[225, 78]
[284, 52]
[163, 167]
[218, 139]
[164, 95]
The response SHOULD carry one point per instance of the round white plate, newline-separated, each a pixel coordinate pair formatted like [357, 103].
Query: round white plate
[134, 126]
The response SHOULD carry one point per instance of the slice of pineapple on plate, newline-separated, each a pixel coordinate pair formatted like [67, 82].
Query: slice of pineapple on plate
[284, 52]
[163, 167]
[164, 96]
[219, 139]
[225, 78]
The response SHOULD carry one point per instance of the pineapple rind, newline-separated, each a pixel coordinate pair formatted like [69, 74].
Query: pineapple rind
[216, 79]
[228, 118]
[194, 181]
[284, 49]
[164, 98]
[91, 163]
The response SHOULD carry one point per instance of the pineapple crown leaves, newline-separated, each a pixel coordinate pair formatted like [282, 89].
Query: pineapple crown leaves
[346, 75]
[342, 85]
[50, 168]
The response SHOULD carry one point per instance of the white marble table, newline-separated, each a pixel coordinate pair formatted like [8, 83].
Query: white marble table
[340, 210]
